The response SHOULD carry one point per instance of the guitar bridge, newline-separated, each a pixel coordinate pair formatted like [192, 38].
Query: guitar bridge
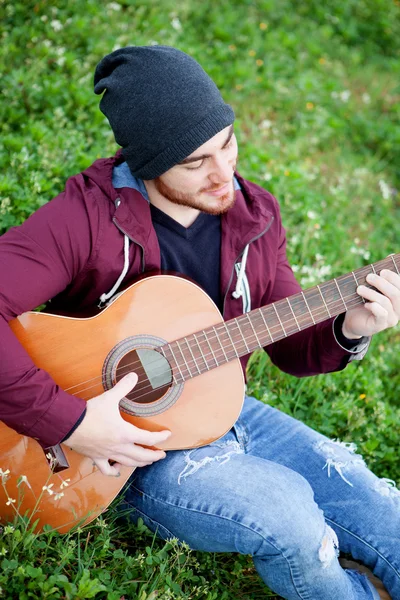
[56, 458]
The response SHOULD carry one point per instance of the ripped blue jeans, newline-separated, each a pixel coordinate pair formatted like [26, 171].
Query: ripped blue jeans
[281, 492]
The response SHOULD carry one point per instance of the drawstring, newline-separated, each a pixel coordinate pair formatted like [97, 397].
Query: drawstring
[238, 292]
[105, 297]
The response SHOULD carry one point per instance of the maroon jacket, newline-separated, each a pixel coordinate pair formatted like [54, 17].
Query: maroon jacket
[72, 251]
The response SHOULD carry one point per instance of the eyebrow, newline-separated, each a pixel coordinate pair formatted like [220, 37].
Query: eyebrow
[203, 156]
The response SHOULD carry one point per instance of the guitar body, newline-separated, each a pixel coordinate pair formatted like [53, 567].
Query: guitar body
[85, 356]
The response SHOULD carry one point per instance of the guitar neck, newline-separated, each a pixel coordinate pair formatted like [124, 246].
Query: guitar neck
[209, 348]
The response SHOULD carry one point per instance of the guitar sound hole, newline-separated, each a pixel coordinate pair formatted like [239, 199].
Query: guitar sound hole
[153, 371]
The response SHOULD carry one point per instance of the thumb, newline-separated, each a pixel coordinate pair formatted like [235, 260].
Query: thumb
[123, 386]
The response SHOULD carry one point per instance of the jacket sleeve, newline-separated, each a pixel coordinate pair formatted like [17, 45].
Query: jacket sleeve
[38, 260]
[314, 350]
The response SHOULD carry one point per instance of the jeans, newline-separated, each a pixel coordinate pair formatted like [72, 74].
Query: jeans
[285, 494]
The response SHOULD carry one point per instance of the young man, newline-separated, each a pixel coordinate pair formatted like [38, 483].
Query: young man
[172, 199]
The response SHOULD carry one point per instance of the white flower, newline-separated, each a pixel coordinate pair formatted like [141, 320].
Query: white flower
[176, 24]
[47, 488]
[343, 96]
[64, 483]
[56, 25]
[366, 98]
[10, 501]
[114, 6]
[24, 479]
[311, 214]
[385, 189]
[266, 177]
[58, 495]
[4, 474]
[266, 124]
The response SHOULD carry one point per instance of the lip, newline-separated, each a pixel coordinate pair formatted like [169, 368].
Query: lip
[220, 191]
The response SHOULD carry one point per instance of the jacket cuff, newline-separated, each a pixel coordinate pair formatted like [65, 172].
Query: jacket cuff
[79, 421]
[58, 420]
[357, 348]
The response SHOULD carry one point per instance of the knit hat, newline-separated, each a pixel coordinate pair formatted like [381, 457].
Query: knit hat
[161, 106]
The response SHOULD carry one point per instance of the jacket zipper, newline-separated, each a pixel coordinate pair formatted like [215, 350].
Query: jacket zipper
[239, 255]
[132, 240]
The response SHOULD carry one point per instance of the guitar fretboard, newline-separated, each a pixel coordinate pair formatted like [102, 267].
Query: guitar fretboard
[209, 348]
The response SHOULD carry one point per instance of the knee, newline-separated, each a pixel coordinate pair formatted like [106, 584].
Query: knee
[286, 518]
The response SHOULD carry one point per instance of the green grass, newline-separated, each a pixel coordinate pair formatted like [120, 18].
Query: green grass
[315, 90]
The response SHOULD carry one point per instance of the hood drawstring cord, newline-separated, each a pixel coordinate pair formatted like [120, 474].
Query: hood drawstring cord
[239, 291]
[105, 297]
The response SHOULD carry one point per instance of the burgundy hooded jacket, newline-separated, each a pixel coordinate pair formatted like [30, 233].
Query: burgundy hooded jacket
[71, 251]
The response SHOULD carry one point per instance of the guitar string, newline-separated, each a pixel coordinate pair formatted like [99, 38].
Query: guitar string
[129, 366]
[223, 328]
[361, 273]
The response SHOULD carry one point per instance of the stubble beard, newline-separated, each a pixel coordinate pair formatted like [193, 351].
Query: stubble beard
[225, 202]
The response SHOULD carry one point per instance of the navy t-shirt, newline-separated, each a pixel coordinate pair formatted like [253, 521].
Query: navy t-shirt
[193, 251]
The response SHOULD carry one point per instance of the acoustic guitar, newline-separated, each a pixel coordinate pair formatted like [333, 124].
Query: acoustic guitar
[168, 331]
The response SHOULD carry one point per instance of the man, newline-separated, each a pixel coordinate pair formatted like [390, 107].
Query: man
[172, 199]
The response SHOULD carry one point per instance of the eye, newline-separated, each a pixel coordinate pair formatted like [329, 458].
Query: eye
[198, 163]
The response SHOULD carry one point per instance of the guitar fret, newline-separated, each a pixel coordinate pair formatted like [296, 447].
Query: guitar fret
[219, 341]
[290, 306]
[308, 308]
[193, 357]
[272, 322]
[240, 331]
[323, 300]
[265, 323]
[357, 284]
[184, 360]
[201, 352]
[337, 285]
[176, 362]
[394, 262]
[279, 319]
[229, 335]
[254, 331]
[209, 345]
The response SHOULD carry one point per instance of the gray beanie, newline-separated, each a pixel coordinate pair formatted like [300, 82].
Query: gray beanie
[161, 106]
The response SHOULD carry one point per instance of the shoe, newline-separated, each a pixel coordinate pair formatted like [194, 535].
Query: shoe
[377, 583]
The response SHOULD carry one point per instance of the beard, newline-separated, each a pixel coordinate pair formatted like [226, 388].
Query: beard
[215, 205]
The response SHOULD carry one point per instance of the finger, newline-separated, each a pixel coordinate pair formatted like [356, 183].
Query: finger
[104, 467]
[393, 278]
[133, 453]
[128, 462]
[384, 286]
[374, 296]
[123, 387]
[148, 438]
[380, 313]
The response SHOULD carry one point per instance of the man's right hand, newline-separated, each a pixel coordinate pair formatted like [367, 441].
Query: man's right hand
[103, 434]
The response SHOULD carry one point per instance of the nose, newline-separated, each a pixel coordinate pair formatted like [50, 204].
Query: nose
[222, 170]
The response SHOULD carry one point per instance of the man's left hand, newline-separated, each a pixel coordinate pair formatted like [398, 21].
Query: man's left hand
[382, 309]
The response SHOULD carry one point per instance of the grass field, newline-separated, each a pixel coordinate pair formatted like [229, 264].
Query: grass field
[315, 87]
